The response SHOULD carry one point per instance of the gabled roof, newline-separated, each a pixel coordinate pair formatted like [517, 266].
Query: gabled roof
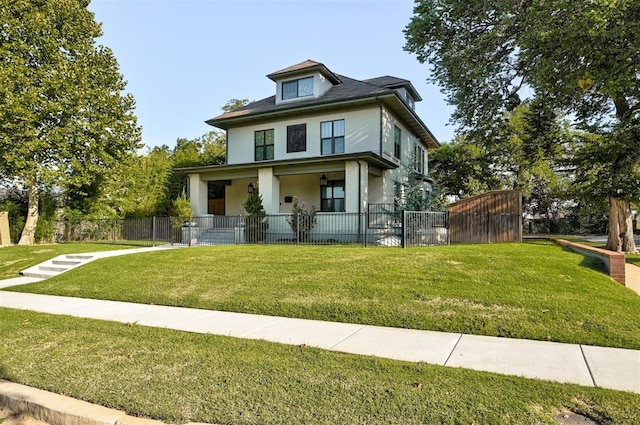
[304, 68]
[349, 89]
[346, 92]
[394, 83]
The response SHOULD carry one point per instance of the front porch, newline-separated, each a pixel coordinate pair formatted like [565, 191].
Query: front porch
[338, 183]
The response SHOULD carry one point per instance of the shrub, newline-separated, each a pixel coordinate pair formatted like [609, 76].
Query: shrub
[255, 222]
[182, 208]
[302, 220]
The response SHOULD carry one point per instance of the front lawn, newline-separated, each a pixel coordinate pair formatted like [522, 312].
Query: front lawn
[633, 259]
[529, 290]
[180, 377]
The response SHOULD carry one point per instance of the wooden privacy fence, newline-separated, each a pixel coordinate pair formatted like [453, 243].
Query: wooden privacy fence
[484, 227]
[491, 217]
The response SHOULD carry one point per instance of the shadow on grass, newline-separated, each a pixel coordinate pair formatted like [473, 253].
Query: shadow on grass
[4, 374]
[594, 264]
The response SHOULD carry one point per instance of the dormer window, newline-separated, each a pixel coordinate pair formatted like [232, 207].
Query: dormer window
[410, 100]
[297, 88]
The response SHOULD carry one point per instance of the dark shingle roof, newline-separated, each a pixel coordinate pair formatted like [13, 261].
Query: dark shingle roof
[304, 67]
[344, 89]
[347, 90]
[393, 83]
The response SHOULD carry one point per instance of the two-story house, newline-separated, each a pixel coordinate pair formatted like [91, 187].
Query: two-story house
[333, 142]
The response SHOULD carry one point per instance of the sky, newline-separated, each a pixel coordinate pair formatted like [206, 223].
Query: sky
[184, 59]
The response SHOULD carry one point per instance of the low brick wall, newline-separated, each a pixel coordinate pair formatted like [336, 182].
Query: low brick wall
[614, 261]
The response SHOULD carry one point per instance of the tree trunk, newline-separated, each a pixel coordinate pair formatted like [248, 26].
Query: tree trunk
[620, 226]
[28, 236]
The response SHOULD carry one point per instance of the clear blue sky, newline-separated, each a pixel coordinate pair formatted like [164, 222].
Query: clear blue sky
[184, 59]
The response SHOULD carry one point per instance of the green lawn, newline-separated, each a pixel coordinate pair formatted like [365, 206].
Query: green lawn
[16, 258]
[633, 259]
[180, 377]
[532, 290]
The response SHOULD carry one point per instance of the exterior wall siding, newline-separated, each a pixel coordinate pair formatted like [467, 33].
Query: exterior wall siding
[361, 135]
[408, 141]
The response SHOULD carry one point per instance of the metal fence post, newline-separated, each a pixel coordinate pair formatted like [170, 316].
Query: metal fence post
[365, 219]
[153, 231]
[403, 225]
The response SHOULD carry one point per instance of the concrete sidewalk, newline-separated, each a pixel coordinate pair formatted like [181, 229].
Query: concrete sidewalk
[613, 368]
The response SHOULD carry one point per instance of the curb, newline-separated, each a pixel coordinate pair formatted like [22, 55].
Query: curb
[57, 409]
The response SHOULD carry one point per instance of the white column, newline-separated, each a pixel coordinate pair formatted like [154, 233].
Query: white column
[269, 187]
[356, 182]
[198, 195]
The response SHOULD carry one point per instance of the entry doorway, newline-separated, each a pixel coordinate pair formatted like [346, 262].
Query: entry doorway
[215, 198]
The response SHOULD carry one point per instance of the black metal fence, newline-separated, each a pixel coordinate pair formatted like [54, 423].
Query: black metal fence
[381, 225]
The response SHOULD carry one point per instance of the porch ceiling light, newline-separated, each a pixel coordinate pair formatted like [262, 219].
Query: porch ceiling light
[250, 188]
[323, 180]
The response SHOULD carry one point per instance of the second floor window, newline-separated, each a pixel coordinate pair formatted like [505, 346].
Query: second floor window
[332, 137]
[397, 146]
[297, 138]
[263, 145]
[419, 159]
[332, 196]
[297, 88]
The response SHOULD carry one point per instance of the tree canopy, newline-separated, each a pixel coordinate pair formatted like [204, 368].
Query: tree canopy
[579, 58]
[64, 117]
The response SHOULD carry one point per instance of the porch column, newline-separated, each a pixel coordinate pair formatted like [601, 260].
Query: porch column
[269, 187]
[198, 195]
[356, 186]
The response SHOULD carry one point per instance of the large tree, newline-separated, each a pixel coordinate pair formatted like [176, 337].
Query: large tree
[64, 118]
[581, 58]
[529, 151]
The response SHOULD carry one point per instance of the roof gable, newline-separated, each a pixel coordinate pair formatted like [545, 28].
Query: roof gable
[304, 68]
[393, 83]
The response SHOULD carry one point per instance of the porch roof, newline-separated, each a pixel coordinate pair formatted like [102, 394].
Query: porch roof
[370, 157]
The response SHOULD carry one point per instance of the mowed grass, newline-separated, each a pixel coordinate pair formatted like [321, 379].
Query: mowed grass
[181, 377]
[633, 259]
[16, 258]
[529, 290]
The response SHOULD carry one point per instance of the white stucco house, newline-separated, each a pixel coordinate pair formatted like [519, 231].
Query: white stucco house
[333, 142]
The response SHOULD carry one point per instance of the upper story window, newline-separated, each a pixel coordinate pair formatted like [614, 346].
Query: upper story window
[419, 159]
[397, 145]
[332, 196]
[410, 100]
[297, 88]
[264, 141]
[332, 137]
[296, 138]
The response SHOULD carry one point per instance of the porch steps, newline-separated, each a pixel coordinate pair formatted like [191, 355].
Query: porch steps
[57, 265]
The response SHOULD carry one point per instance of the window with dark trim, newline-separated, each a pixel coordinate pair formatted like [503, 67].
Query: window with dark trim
[264, 142]
[332, 196]
[332, 137]
[297, 88]
[419, 163]
[397, 145]
[297, 138]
